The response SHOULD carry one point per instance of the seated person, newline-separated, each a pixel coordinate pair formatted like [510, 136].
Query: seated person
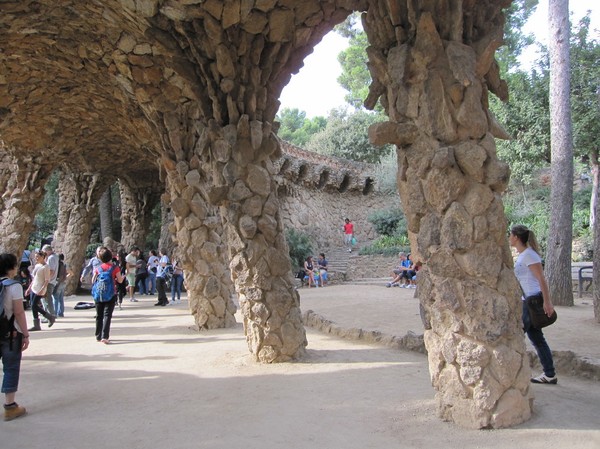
[400, 272]
[309, 269]
[322, 263]
[407, 274]
[413, 280]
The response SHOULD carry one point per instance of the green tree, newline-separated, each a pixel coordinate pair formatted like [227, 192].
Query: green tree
[296, 128]
[585, 102]
[355, 77]
[346, 136]
[526, 118]
[47, 214]
[514, 39]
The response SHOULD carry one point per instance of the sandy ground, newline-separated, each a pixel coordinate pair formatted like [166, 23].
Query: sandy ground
[161, 384]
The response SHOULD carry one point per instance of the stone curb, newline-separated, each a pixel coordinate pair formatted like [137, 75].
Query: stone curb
[410, 341]
[566, 362]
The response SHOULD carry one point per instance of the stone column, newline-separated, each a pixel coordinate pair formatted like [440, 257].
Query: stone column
[137, 202]
[198, 234]
[23, 181]
[230, 168]
[167, 228]
[258, 252]
[79, 195]
[434, 87]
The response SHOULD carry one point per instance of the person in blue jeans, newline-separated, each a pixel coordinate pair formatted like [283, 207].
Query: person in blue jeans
[15, 342]
[530, 274]
[176, 282]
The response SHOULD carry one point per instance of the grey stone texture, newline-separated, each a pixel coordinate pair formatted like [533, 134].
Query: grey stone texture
[186, 92]
[432, 71]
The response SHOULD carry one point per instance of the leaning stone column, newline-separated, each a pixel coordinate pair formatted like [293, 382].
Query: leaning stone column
[79, 194]
[23, 180]
[260, 264]
[434, 87]
[199, 237]
[137, 202]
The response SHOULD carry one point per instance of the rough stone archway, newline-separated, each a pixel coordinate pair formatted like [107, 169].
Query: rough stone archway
[195, 84]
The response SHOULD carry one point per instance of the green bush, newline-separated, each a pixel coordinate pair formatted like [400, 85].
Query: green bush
[299, 245]
[387, 246]
[388, 222]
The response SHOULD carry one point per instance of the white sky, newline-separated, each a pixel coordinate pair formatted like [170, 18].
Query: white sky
[315, 89]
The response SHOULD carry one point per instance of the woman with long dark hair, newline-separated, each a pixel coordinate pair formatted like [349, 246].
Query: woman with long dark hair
[530, 274]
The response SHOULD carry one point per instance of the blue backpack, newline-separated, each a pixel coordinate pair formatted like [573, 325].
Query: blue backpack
[103, 289]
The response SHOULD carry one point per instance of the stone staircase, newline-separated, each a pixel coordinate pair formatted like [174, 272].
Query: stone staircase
[338, 261]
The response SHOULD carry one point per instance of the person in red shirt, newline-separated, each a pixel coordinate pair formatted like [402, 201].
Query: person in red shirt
[348, 234]
[104, 310]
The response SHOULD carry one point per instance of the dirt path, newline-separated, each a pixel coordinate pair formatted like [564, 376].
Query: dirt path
[160, 384]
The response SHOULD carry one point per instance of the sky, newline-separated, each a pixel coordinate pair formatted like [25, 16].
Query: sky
[316, 91]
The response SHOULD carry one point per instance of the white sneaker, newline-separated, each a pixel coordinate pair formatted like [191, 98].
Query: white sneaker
[412, 286]
[543, 379]
[403, 286]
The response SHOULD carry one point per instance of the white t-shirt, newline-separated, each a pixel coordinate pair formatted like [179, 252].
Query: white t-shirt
[529, 283]
[12, 293]
[131, 262]
[40, 274]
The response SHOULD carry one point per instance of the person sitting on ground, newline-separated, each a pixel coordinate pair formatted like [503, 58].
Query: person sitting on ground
[407, 274]
[416, 267]
[309, 269]
[398, 272]
[322, 264]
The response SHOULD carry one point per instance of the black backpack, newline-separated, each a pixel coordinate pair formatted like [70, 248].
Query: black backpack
[7, 326]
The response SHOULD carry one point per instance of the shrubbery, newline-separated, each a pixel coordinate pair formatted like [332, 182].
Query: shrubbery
[300, 246]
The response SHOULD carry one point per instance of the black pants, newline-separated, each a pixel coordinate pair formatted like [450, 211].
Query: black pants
[161, 287]
[104, 311]
[36, 307]
[121, 291]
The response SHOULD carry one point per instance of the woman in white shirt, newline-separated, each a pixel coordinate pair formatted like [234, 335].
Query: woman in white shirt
[14, 343]
[530, 274]
[40, 279]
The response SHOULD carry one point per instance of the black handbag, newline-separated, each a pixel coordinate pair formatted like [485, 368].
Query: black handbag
[537, 315]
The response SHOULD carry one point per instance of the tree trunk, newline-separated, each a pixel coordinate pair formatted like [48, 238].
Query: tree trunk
[560, 235]
[106, 218]
[595, 182]
[595, 206]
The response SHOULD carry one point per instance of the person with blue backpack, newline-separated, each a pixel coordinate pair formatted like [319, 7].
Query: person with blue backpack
[104, 292]
[14, 337]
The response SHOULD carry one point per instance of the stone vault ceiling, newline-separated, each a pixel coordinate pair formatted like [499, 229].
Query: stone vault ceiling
[94, 82]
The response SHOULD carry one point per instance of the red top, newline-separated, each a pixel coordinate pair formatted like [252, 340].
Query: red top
[349, 228]
[107, 267]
